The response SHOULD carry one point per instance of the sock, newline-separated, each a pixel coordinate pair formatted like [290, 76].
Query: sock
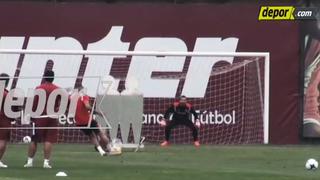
[109, 147]
[101, 151]
[30, 160]
[46, 161]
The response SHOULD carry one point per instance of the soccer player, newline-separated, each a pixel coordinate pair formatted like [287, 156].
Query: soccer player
[48, 136]
[4, 121]
[82, 117]
[181, 115]
[311, 122]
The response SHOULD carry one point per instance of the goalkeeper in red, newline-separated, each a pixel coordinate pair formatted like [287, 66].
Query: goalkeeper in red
[181, 112]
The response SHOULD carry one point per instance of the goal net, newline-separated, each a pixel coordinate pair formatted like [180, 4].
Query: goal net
[232, 110]
[229, 91]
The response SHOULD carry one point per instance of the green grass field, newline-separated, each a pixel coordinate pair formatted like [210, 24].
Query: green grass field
[80, 162]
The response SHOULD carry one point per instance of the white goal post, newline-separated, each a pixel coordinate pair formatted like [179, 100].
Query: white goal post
[265, 55]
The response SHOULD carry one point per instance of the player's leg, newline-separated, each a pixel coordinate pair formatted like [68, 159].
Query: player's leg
[311, 127]
[50, 137]
[32, 149]
[95, 141]
[4, 138]
[101, 135]
[47, 149]
[3, 146]
[194, 130]
[105, 143]
[93, 134]
[104, 140]
[170, 125]
[35, 139]
[101, 138]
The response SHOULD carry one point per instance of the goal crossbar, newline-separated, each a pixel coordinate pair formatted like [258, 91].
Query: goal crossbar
[135, 53]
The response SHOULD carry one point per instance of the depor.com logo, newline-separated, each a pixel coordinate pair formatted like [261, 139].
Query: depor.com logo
[287, 13]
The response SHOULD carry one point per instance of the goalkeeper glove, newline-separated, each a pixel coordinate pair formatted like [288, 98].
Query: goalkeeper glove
[163, 122]
[198, 123]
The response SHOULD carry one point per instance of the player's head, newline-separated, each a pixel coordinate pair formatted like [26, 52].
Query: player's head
[79, 87]
[81, 90]
[48, 76]
[182, 100]
[4, 77]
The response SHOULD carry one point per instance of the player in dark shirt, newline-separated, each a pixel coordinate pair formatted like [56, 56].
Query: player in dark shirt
[181, 115]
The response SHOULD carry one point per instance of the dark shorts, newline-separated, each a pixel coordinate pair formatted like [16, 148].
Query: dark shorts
[88, 131]
[46, 135]
[175, 122]
[5, 133]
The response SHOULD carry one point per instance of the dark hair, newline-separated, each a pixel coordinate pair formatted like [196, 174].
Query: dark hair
[183, 97]
[79, 87]
[5, 77]
[48, 76]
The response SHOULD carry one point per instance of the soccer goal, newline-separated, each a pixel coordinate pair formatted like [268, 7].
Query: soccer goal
[229, 90]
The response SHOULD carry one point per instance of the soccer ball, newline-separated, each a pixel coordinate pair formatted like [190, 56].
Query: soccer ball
[26, 139]
[116, 147]
[311, 164]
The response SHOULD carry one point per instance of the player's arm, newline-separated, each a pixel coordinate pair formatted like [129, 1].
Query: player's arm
[194, 113]
[169, 111]
[86, 101]
[196, 116]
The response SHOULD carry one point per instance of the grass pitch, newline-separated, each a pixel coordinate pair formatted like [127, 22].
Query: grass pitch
[81, 162]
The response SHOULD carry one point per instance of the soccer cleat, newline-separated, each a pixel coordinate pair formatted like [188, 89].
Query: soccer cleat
[164, 144]
[46, 166]
[196, 144]
[28, 165]
[102, 153]
[3, 165]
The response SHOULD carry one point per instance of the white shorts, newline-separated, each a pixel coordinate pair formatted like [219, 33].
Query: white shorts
[311, 121]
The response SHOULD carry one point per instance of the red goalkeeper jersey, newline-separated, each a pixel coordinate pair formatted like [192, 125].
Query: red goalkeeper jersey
[82, 115]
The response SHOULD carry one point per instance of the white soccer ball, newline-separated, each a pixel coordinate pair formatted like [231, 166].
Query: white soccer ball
[311, 164]
[116, 146]
[116, 149]
[26, 139]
